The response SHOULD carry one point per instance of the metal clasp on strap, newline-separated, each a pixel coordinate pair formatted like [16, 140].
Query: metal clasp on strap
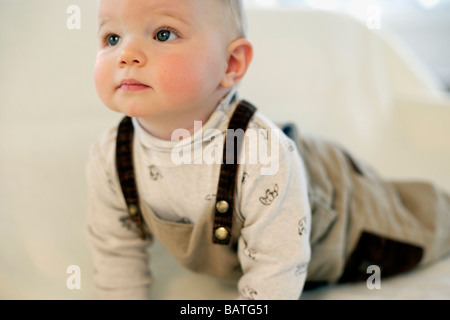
[125, 169]
[225, 199]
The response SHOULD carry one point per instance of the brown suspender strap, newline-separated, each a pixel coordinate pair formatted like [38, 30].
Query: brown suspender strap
[223, 218]
[226, 190]
[125, 168]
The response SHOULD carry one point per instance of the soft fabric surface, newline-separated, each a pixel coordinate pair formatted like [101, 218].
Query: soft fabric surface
[326, 72]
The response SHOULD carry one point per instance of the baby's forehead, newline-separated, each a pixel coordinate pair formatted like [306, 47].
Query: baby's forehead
[192, 13]
[184, 10]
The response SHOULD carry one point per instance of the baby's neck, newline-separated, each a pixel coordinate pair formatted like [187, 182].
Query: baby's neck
[164, 127]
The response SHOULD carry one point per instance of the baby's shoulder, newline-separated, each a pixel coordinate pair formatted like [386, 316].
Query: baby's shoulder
[263, 126]
[104, 147]
[261, 121]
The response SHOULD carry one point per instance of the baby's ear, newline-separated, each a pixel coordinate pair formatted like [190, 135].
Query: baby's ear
[240, 54]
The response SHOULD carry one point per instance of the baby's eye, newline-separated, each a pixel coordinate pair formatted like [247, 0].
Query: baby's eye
[166, 35]
[112, 39]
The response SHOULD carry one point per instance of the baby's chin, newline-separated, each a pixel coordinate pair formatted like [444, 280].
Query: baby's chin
[134, 111]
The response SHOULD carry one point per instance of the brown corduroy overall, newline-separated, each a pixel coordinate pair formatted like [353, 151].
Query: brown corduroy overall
[358, 219]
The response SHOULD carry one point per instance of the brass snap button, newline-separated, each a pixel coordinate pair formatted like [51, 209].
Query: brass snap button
[221, 233]
[133, 210]
[222, 206]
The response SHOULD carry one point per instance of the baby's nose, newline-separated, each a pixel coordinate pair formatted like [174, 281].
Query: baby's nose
[131, 57]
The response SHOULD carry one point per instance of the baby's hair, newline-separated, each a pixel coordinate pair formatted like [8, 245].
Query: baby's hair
[236, 14]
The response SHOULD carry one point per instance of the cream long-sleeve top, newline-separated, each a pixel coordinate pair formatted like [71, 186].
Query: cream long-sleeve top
[180, 180]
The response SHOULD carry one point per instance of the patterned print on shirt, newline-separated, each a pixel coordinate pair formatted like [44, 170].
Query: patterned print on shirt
[302, 226]
[184, 220]
[270, 195]
[261, 130]
[126, 222]
[249, 293]
[250, 253]
[155, 174]
[244, 177]
[264, 133]
[290, 147]
[300, 269]
[210, 197]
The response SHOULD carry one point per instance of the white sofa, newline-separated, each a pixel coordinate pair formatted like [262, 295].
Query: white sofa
[326, 72]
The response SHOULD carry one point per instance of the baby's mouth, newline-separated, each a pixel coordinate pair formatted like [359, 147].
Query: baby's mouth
[132, 85]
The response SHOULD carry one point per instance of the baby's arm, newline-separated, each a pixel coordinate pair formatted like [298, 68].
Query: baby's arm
[274, 248]
[120, 257]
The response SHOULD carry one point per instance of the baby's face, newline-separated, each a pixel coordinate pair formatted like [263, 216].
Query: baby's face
[160, 58]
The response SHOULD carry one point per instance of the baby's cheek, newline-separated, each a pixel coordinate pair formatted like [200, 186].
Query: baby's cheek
[99, 77]
[182, 80]
[102, 80]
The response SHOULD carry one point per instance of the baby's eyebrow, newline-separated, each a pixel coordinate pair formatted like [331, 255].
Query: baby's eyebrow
[175, 15]
[102, 22]
[168, 13]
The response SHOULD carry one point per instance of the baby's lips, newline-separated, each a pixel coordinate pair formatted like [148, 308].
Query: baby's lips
[132, 84]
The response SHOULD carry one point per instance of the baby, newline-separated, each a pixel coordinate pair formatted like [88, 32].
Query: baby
[245, 201]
